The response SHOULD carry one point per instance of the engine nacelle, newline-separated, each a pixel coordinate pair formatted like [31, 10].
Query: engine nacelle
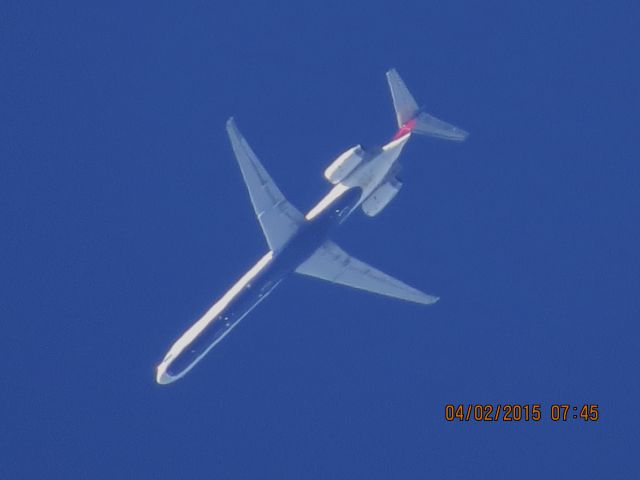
[381, 197]
[344, 164]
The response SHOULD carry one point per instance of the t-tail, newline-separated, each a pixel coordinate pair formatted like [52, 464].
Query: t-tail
[412, 119]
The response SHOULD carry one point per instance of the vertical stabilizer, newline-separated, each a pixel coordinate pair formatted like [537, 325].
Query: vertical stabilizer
[403, 102]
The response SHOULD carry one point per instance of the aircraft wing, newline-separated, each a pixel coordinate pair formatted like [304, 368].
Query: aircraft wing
[333, 264]
[278, 218]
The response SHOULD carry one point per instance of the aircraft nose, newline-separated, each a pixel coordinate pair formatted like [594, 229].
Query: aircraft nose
[162, 377]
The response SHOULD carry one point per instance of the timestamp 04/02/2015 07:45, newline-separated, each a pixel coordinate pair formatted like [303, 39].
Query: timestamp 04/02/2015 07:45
[517, 412]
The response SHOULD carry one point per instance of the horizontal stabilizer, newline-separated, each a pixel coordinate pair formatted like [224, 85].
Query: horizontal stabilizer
[278, 218]
[333, 264]
[431, 126]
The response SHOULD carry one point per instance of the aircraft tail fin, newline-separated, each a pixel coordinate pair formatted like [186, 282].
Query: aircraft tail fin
[411, 118]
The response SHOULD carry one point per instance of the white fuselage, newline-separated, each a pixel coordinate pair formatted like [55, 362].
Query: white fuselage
[258, 282]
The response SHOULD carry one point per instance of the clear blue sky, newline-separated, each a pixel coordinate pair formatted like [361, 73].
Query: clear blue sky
[124, 217]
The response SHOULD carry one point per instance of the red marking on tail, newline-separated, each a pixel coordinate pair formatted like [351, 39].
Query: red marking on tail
[405, 129]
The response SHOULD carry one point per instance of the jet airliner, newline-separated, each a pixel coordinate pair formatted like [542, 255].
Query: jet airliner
[301, 243]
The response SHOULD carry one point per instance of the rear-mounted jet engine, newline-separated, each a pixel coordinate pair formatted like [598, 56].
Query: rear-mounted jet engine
[381, 197]
[344, 164]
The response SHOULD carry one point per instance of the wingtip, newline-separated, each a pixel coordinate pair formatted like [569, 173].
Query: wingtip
[430, 299]
[463, 134]
[232, 129]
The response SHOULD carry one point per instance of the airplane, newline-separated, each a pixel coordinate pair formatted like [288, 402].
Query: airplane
[301, 243]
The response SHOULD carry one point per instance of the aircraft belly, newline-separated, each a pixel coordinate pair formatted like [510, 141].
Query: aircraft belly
[228, 311]
[218, 328]
[245, 295]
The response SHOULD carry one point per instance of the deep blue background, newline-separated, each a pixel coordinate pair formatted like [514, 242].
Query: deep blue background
[124, 217]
